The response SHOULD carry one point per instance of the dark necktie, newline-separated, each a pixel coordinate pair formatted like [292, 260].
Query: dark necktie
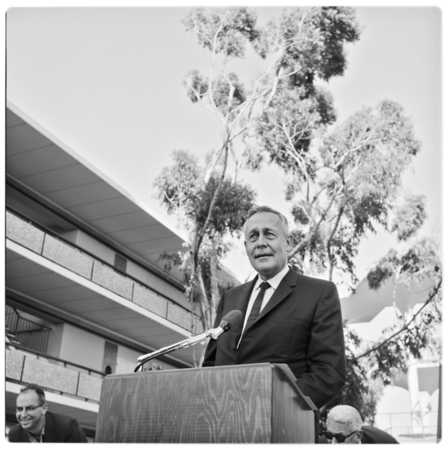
[257, 305]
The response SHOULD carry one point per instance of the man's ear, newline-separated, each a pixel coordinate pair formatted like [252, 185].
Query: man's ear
[45, 408]
[288, 242]
[359, 434]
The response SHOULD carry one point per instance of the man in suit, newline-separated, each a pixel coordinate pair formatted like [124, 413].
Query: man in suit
[37, 424]
[294, 319]
[344, 425]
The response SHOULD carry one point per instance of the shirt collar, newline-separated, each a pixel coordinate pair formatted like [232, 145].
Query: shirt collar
[275, 280]
[37, 437]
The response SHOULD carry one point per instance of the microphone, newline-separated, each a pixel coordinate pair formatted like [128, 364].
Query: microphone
[229, 320]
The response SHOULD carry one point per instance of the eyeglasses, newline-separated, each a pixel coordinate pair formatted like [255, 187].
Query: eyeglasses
[27, 409]
[339, 436]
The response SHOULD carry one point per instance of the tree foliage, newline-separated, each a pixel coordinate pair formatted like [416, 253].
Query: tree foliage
[314, 40]
[359, 390]
[224, 30]
[180, 189]
[342, 181]
[373, 365]
[301, 45]
[417, 262]
[410, 216]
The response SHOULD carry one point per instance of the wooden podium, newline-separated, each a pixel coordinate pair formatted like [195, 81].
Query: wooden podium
[253, 403]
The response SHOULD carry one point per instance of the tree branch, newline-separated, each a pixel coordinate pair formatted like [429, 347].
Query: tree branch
[330, 258]
[405, 327]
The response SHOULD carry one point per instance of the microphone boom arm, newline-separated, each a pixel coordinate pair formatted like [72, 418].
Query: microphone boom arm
[227, 322]
[193, 340]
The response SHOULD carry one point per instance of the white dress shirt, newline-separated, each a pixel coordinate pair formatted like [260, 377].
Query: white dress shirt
[274, 282]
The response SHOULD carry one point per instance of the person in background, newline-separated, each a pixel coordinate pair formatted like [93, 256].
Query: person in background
[38, 425]
[344, 426]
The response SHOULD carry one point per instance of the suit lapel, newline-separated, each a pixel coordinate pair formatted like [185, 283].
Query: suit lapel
[241, 305]
[282, 291]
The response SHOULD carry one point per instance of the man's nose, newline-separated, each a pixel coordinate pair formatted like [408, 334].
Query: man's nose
[261, 241]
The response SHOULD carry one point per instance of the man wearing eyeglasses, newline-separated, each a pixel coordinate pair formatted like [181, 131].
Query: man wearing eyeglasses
[344, 426]
[38, 425]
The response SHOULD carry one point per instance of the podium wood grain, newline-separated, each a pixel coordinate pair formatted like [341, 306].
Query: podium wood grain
[230, 404]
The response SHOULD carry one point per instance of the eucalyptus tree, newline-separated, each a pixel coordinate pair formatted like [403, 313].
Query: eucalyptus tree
[299, 46]
[181, 190]
[343, 180]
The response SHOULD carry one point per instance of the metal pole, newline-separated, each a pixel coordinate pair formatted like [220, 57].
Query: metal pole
[439, 412]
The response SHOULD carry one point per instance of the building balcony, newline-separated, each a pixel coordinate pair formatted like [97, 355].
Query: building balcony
[44, 272]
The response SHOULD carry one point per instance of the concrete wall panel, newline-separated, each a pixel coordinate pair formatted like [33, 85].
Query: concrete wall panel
[50, 375]
[112, 280]
[68, 256]
[157, 283]
[89, 386]
[179, 316]
[13, 364]
[150, 300]
[24, 233]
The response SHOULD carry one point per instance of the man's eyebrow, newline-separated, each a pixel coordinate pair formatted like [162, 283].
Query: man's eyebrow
[264, 230]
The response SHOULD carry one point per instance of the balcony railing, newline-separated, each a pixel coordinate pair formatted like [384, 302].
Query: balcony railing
[58, 375]
[407, 424]
[64, 253]
[31, 335]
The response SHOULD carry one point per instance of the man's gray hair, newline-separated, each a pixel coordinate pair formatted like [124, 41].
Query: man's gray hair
[346, 415]
[260, 209]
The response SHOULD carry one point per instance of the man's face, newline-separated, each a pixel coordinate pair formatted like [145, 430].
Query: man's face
[266, 244]
[30, 420]
[334, 427]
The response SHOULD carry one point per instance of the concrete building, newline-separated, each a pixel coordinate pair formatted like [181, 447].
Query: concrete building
[86, 291]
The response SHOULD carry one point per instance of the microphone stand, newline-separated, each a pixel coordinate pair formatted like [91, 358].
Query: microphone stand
[193, 340]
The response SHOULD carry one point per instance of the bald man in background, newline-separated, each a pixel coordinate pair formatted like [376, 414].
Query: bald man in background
[344, 426]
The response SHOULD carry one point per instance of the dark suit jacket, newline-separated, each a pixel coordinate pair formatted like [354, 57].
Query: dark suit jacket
[373, 435]
[301, 326]
[370, 435]
[58, 428]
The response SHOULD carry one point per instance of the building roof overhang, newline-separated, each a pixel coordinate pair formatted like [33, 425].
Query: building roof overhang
[76, 195]
[42, 167]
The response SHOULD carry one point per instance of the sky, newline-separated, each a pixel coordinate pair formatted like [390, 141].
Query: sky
[107, 82]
